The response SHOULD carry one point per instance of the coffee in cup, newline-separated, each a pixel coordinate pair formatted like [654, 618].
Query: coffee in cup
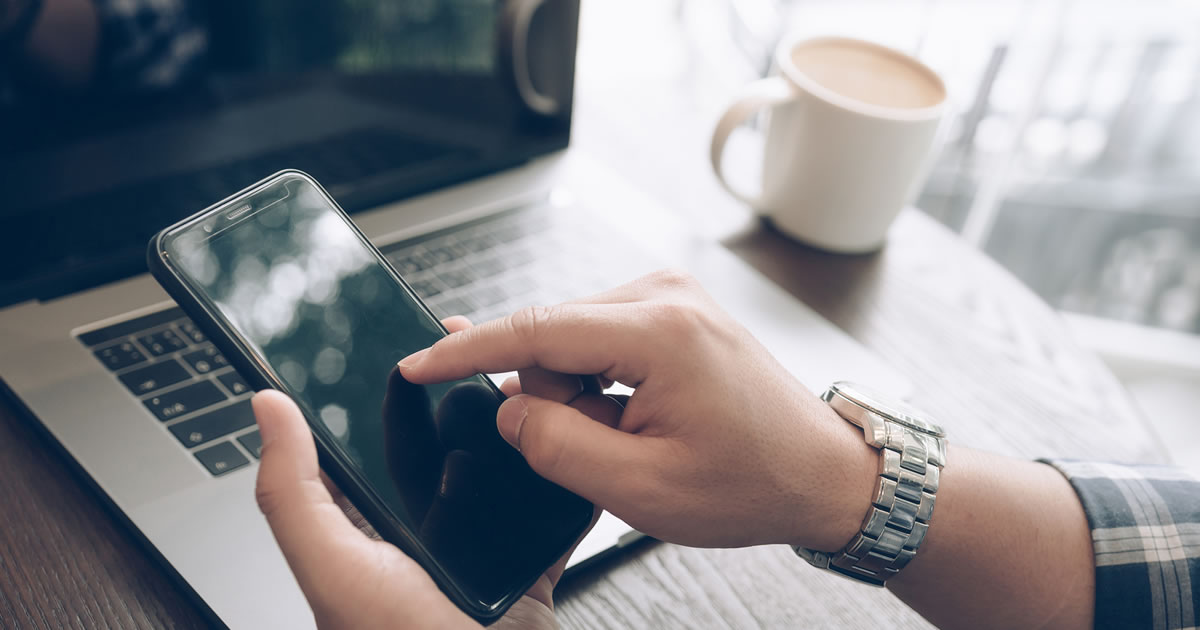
[848, 140]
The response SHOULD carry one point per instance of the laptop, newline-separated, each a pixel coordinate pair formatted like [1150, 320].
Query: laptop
[442, 126]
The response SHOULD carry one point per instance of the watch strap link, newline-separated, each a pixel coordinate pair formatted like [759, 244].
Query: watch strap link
[909, 473]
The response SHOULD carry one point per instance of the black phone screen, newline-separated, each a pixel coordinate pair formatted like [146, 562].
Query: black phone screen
[299, 285]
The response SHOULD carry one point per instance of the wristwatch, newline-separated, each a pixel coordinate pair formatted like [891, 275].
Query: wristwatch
[912, 452]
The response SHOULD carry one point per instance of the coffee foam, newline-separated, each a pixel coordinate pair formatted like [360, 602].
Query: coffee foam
[868, 74]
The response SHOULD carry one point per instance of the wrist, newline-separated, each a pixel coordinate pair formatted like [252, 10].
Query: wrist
[835, 503]
[912, 453]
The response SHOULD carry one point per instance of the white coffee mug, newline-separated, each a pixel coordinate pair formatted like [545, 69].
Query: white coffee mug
[847, 143]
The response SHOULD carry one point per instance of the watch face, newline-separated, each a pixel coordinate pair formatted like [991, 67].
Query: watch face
[888, 407]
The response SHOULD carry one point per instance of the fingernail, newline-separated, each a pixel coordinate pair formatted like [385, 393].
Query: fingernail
[510, 418]
[412, 360]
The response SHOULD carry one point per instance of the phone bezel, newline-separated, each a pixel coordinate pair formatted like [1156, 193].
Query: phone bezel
[242, 355]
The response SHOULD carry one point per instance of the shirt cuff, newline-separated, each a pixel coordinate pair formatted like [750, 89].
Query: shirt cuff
[1145, 523]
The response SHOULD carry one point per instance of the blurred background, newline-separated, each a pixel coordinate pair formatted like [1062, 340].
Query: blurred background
[1071, 154]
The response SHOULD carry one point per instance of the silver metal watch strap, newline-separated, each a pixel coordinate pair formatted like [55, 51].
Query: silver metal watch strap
[909, 472]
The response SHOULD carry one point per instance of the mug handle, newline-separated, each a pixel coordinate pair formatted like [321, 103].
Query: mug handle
[522, 75]
[755, 96]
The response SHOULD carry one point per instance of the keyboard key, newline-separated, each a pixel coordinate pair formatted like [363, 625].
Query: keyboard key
[477, 243]
[184, 400]
[453, 306]
[116, 331]
[121, 355]
[155, 376]
[162, 342]
[426, 288]
[253, 443]
[519, 284]
[439, 255]
[396, 251]
[508, 233]
[488, 295]
[491, 266]
[221, 458]
[192, 332]
[457, 250]
[455, 278]
[214, 424]
[205, 360]
[488, 315]
[410, 264]
[234, 383]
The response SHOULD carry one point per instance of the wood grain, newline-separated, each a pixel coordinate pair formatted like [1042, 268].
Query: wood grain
[65, 561]
[993, 362]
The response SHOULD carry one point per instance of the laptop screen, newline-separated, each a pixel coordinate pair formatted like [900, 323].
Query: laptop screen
[180, 103]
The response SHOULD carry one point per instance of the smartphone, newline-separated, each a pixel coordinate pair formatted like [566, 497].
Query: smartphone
[299, 300]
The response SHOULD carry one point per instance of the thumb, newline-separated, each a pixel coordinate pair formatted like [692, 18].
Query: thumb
[312, 531]
[575, 451]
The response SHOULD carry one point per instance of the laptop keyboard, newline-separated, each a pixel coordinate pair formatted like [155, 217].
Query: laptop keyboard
[483, 269]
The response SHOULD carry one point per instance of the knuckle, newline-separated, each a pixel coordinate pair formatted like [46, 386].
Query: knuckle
[268, 500]
[542, 448]
[529, 322]
[679, 318]
[673, 278]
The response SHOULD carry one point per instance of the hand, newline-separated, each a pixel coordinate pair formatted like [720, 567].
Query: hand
[718, 446]
[349, 579]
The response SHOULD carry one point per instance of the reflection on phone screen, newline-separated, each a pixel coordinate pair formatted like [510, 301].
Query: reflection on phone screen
[297, 283]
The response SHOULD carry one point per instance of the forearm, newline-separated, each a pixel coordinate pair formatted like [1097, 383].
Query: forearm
[1008, 546]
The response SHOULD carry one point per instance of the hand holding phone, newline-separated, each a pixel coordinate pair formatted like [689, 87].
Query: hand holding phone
[298, 300]
[331, 559]
[340, 570]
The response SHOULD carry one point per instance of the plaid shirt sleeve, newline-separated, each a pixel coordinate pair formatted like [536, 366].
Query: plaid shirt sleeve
[1145, 523]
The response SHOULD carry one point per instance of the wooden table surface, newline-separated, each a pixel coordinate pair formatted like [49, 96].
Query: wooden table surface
[988, 358]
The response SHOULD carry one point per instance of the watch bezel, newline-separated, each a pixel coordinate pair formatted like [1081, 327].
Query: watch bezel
[899, 412]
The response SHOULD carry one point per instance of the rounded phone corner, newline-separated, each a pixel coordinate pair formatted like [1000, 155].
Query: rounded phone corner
[156, 253]
[293, 173]
[488, 614]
